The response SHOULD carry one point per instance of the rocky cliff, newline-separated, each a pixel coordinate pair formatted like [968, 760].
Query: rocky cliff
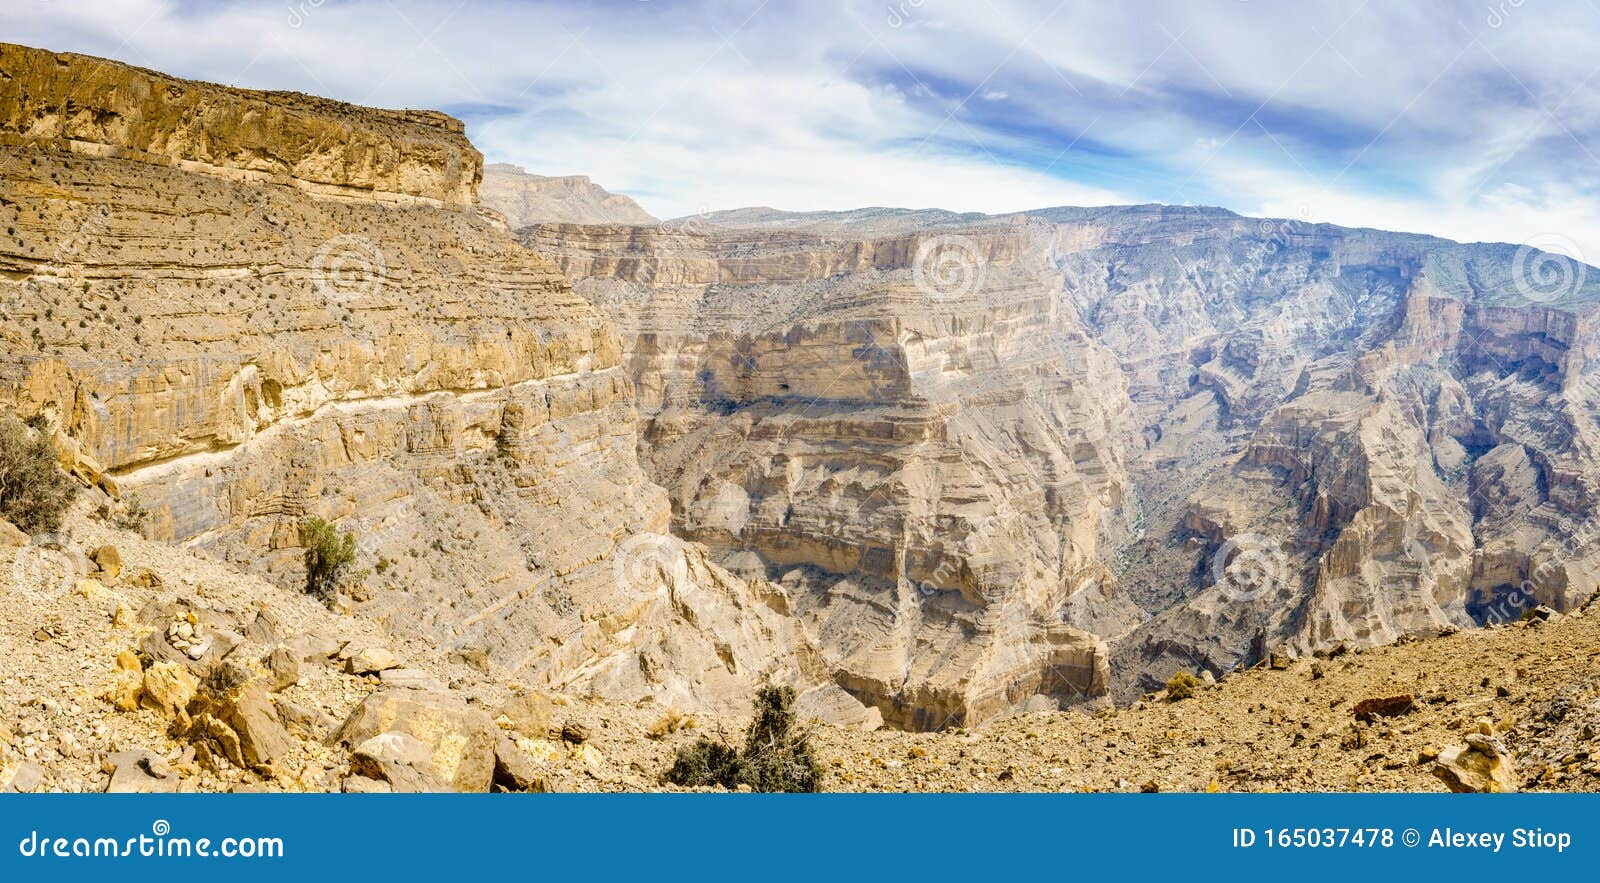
[935, 478]
[247, 308]
[1201, 437]
[952, 466]
[574, 199]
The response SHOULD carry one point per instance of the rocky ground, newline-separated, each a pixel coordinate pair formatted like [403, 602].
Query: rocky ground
[359, 709]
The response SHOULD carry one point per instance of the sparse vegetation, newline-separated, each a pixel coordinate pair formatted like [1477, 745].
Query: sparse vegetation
[34, 492]
[669, 723]
[776, 757]
[133, 516]
[1181, 686]
[329, 555]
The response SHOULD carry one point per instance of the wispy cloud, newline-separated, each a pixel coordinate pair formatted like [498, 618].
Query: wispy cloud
[1473, 120]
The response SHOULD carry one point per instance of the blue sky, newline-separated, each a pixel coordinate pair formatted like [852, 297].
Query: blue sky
[1475, 120]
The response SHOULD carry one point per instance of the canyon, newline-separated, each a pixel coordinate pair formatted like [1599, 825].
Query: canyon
[932, 469]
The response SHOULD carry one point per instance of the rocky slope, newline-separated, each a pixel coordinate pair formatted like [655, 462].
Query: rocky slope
[244, 309]
[114, 686]
[1198, 436]
[572, 199]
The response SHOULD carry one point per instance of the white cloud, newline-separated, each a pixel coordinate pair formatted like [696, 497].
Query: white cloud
[1426, 118]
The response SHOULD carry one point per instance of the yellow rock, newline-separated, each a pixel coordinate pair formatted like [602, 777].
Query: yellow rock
[589, 755]
[127, 660]
[543, 751]
[169, 688]
[126, 687]
[108, 560]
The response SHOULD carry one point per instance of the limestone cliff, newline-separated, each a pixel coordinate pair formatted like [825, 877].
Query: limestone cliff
[1256, 435]
[935, 480]
[249, 308]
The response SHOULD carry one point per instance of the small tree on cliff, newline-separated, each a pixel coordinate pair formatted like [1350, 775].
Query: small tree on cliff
[329, 555]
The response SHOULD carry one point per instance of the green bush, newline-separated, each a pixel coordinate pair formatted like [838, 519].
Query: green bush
[776, 757]
[34, 492]
[329, 555]
[134, 516]
[706, 762]
[1182, 686]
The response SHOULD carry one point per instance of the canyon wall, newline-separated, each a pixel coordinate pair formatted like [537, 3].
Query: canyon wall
[1208, 438]
[934, 480]
[244, 309]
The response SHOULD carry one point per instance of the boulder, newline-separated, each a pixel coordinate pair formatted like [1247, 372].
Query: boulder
[831, 705]
[29, 778]
[364, 785]
[401, 760]
[169, 688]
[264, 629]
[460, 739]
[472, 657]
[108, 561]
[313, 646]
[127, 683]
[234, 718]
[283, 668]
[137, 771]
[514, 770]
[1384, 706]
[528, 713]
[308, 722]
[370, 660]
[410, 679]
[574, 733]
[1482, 765]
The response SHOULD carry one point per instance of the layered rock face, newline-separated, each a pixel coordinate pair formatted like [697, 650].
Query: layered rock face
[574, 199]
[935, 479]
[249, 308]
[1200, 437]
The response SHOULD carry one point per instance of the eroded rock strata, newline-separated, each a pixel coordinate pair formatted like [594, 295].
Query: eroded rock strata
[944, 467]
[250, 308]
[1201, 437]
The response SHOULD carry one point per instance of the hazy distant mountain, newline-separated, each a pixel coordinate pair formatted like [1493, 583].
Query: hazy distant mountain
[572, 199]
